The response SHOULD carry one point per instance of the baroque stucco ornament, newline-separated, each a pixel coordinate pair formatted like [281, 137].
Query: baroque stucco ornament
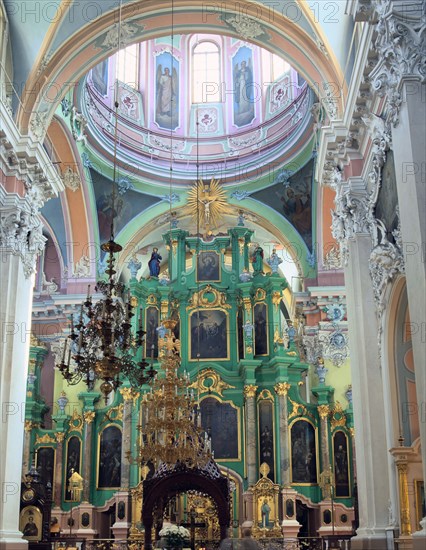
[247, 27]
[21, 230]
[401, 52]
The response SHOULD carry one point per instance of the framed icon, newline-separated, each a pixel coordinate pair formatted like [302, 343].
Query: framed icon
[30, 523]
[208, 266]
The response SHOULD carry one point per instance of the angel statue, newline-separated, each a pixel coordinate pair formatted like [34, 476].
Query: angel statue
[166, 90]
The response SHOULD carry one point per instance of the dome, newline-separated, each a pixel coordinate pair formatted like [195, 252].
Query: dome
[200, 99]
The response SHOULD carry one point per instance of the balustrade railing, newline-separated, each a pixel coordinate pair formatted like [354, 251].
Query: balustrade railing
[336, 542]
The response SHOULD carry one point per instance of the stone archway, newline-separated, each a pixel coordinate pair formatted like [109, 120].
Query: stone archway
[166, 484]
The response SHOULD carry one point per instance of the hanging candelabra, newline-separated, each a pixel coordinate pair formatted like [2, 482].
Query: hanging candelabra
[171, 431]
[102, 344]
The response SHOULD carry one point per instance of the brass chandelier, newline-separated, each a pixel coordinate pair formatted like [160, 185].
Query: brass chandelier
[171, 432]
[102, 344]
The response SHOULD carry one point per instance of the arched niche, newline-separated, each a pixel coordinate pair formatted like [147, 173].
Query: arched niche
[163, 486]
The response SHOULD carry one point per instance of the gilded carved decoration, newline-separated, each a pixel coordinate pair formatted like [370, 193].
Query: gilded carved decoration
[208, 297]
[216, 384]
[247, 304]
[76, 422]
[129, 394]
[299, 410]
[89, 416]
[250, 391]
[164, 308]
[114, 414]
[29, 425]
[265, 495]
[276, 299]
[323, 411]
[60, 436]
[338, 417]
[260, 294]
[46, 438]
[151, 300]
[282, 388]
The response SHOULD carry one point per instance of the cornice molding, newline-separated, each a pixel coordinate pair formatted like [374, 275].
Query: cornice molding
[26, 159]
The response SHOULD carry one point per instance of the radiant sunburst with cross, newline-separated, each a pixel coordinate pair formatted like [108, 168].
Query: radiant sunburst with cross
[208, 204]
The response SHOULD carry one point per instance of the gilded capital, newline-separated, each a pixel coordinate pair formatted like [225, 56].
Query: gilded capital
[323, 411]
[282, 388]
[129, 394]
[59, 436]
[89, 416]
[29, 425]
[250, 391]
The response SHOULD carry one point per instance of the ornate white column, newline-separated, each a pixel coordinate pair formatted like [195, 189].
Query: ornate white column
[21, 240]
[34, 180]
[399, 77]
[250, 412]
[351, 228]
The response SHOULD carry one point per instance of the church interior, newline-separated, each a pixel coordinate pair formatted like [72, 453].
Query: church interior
[212, 274]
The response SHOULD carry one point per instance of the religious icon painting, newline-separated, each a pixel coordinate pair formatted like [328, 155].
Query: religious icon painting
[109, 470]
[220, 422]
[303, 453]
[73, 461]
[341, 465]
[45, 464]
[167, 91]
[209, 334]
[208, 266]
[151, 324]
[266, 436]
[30, 523]
[244, 90]
[260, 329]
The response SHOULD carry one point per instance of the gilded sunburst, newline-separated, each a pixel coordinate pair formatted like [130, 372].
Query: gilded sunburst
[208, 203]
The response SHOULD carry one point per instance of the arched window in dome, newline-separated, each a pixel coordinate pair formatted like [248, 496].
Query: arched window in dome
[273, 66]
[206, 73]
[127, 65]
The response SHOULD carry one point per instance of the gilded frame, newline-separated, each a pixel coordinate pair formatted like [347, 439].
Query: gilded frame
[316, 452]
[98, 454]
[419, 489]
[238, 409]
[208, 254]
[148, 350]
[66, 463]
[26, 513]
[348, 459]
[206, 311]
[263, 303]
[54, 464]
[269, 399]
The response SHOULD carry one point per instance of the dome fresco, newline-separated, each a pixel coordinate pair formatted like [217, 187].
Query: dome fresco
[209, 97]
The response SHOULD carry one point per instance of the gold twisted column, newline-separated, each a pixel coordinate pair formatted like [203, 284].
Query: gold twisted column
[250, 413]
[281, 389]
